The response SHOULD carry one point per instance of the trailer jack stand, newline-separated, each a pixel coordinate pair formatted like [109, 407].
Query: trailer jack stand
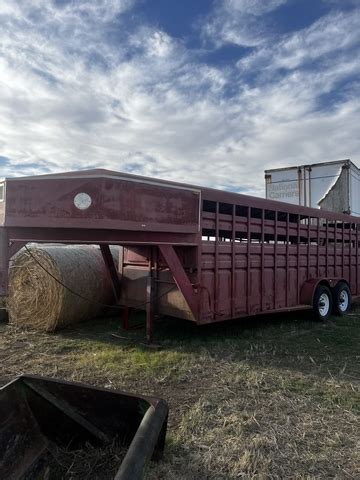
[126, 321]
[149, 325]
[150, 310]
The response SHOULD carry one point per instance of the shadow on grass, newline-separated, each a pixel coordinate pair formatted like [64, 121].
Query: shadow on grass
[285, 340]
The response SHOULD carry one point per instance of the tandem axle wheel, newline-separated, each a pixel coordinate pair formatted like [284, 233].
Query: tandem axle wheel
[336, 301]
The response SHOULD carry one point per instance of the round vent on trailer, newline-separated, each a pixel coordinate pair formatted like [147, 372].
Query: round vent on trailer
[82, 201]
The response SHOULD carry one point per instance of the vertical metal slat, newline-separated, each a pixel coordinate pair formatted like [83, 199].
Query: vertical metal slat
[298, 262]
[318, 247]
[4, 261]
[287, 275]
[262, 260]
[327, 249]
[335, 248]
[216, 272]
[357, 259]
[248, 260]
[350, 253]
[343, 249]
[233, 273]
[309, 248]
[275, 257]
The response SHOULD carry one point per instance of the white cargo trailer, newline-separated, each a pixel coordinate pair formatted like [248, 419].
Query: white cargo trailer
[333, 186]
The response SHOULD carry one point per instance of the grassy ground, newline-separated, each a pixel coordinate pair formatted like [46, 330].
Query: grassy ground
[269, 397]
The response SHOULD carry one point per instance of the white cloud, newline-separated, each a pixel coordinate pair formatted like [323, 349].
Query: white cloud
[70, 98]
[239, 22]
[101, 10]
[251, 7]
[336, 32]
[159, 45]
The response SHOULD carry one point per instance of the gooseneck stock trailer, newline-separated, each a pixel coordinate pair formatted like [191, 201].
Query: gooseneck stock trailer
[196, 253]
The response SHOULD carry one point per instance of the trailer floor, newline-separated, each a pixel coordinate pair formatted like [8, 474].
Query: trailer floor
[271, 397]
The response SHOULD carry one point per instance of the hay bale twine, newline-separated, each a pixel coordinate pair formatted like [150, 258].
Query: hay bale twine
[38, 301]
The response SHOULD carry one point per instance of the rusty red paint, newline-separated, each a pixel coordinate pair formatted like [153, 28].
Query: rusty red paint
[182, 280]
[111, 268]
[4, 260]
[137, 205]
[230, 255]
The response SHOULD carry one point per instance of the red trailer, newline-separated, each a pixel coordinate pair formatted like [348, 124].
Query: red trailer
[192, 252]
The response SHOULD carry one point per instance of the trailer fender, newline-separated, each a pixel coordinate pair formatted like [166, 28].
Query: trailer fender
[309, 287]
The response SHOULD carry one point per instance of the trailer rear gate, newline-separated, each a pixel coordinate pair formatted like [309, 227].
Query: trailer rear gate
[195, 253]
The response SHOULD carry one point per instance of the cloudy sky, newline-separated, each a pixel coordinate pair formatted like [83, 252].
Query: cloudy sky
[202, 91]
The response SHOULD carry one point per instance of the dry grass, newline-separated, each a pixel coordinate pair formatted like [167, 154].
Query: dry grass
[249, 426]
[267, 398]
[90, 462]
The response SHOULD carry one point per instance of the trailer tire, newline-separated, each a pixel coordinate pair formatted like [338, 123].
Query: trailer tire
[322, 303]
[341, 299]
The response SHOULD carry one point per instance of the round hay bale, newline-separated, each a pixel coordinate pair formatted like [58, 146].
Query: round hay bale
[38, 301]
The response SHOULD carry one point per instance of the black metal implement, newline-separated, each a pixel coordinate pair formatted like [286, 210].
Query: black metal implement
[38, 415]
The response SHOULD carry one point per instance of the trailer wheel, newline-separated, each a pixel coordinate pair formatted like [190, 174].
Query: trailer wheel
[341, 299]
[322, 304]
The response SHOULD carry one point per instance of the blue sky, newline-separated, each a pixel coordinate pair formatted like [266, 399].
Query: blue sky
[210, 92]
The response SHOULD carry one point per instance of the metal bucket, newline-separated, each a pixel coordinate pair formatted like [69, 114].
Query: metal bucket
[39, 416]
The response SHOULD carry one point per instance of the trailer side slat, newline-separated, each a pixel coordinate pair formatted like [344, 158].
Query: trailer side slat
[262, 292]
[216, 271]
[275, 259]
[287, 262]
[342, 250]
[233, 272]
[248, 279]
[357, 259]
